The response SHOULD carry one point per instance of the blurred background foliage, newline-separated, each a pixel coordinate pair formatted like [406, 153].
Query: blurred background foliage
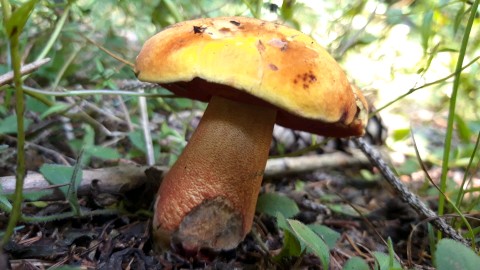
[387, 48]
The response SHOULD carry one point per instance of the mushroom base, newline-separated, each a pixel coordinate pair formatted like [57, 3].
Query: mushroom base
[208, 198]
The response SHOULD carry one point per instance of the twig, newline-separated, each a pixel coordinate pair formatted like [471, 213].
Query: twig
[290, 165]
[126, 177]
[65, 160]
[26, 69]
[142, 101]
[94, 92]
[113, 55]
[413, 200]
[113, 180]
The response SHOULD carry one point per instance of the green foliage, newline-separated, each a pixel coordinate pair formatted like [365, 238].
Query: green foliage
[8, 125]
[356, 263]
[18, 19]
[385, 262]
[68, 177]
[300, 238]
[451, 255]
[5, 205]
[271, 203]
[328, 235]
[311, 240]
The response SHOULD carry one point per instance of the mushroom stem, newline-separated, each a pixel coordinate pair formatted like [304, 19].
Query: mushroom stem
[208, 198]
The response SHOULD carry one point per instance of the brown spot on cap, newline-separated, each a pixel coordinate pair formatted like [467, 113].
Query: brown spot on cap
[198, 29]
[224, 30]
[273, 67]
[260, 46]
[235, 23]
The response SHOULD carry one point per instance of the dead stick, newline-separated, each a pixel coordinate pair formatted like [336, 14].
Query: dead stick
[302, 164]
[123, 178]
[26, 69]
[113, 180]
[413, 200]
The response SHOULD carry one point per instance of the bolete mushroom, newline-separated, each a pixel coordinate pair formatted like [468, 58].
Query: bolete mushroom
[253, 74]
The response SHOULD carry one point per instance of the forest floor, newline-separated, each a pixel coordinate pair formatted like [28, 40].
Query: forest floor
[364, 212]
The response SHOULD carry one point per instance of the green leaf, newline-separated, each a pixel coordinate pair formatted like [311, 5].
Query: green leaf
[71, 176]
[452, 255]
[463, 130]
[328, 235]
[383, 262]
[394, 16]
[401, 134]
[9, 124]
[458, 18]
[59, 175]
[343, 209]
[314, 243]
[426, 28]
[17, 21]
[281, 221]
[5, 203]
[58, 107]
[36, 195]
[271, 203]
[102, 152]
[35, 105]
[88, 141]
[89, 137]
[356, 263]
[137, 139]
[291, 245]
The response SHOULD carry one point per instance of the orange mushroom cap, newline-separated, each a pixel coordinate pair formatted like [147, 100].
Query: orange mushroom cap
[258, 62]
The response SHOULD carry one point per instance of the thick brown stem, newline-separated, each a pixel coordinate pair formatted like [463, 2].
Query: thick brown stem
[208, 198]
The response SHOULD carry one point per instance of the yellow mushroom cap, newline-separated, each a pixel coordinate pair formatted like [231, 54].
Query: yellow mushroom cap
[258, 62]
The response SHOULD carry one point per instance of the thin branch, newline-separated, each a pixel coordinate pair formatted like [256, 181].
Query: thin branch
[93, 92]
[116, 57]
[142, 101]
[413, 200]
[26, 69]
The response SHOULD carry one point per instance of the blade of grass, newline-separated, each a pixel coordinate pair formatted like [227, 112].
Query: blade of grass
[442, 192]
[469, 166]
[73, 186]
[451, 111]
[67, 63]
[56, 32]
[172, 8]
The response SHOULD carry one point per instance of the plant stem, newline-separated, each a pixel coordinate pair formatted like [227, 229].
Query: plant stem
[7, 11]
[451, 112]
[55, 34]
[99, 212]
[19, 110]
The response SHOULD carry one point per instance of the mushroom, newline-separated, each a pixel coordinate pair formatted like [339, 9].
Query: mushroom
[253, 74]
